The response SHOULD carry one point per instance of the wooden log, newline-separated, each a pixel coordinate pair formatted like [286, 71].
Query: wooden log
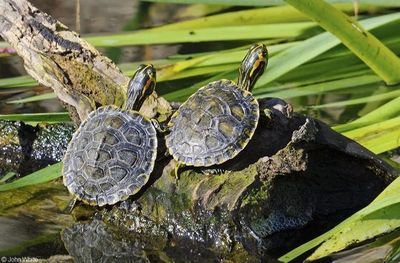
[58, 58]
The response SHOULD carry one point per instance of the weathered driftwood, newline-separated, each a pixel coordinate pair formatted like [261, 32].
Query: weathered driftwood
[58, 58]
[295, 175]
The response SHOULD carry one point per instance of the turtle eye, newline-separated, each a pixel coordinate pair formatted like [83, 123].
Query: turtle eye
[262, 50]
[264, 53]
[150, 71]
[141, 67]
[254, 46]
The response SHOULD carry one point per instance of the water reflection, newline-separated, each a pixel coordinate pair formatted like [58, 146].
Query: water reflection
[384, 249]
[94, 242]
[16, 231]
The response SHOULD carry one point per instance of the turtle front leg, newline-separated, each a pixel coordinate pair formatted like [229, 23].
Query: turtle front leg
[70, 206]
[275, 107]
[267, 113]
[213, 171]
[158, 127]
[176, 171]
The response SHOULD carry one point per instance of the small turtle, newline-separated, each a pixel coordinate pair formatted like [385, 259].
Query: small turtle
[112, 154]
[218, 121]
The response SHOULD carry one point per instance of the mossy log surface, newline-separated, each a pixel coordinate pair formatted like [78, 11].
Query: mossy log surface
[296, 176]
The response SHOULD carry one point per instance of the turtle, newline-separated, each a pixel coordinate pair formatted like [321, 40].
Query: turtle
[217, 122]
[113, 152]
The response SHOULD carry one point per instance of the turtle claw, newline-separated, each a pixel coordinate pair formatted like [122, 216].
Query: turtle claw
[213, 171]
[176, 172]
[268, 113]
[70, 206]
[158, 127]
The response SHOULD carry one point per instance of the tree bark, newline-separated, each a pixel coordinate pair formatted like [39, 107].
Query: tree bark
[58, 58]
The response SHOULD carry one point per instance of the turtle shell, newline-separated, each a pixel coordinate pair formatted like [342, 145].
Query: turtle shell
[213, 125]
[110, 156]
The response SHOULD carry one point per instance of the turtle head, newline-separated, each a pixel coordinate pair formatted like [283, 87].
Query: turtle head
[140, 86]
[252, 66]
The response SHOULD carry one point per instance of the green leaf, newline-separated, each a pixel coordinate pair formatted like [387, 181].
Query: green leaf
[45, 96]
[270, 15]
[37, 117]
[6, 177]
[319, 88]
[389, 110]
[14, 82]
[378, 137]
[377, 97]
[147, 37]
[311, 48]
[223, 2]
[392, 3]
[44, 175]
[198, 10]
[365, 45]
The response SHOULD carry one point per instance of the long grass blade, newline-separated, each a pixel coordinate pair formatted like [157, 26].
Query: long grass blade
[321, 88]
[147, 37]
[41, 176]
[6, 177]
[270, 15]
[16, 82]
[377, 97]
[41, 97]
[378, 137]
[391, 3]
[311, 48]
[37, 117]
[389, 110]
[365, 45]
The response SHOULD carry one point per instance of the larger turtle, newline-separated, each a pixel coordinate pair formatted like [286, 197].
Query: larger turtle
[218, 121]
[112, 154]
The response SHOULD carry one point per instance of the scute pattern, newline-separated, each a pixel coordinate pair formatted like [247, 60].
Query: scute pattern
[213, 125]
[110, 156]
